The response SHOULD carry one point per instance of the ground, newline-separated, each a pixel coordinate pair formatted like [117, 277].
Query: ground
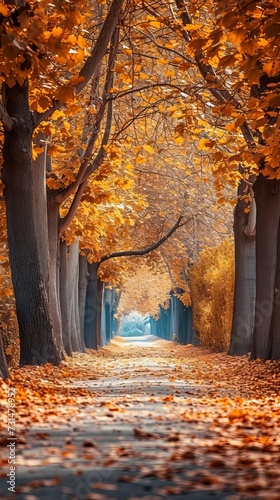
[144, 418]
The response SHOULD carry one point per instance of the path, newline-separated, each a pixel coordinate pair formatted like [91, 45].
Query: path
[161, 422]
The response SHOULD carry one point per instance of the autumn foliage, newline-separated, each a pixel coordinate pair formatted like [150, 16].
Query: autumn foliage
[212, 288]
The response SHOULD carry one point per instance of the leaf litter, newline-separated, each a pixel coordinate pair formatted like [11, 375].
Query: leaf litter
[193, 420]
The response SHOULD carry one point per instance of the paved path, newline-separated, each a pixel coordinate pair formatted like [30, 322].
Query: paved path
[138, 440]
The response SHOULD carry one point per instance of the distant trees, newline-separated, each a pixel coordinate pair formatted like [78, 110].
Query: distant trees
[133, 325]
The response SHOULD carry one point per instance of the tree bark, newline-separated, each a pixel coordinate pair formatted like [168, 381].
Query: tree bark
[54, 273]
[267, 194]
[83, 283]
[37, 341]
[110, 303]
[99, 312]
[64, 298]
[40, 208]
[275, 320]
[90, 320]
[4, 371]
[73, 262]
[245, 282]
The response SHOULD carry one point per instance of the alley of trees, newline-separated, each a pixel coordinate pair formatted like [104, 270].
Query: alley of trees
[139, 249]
[140, 170]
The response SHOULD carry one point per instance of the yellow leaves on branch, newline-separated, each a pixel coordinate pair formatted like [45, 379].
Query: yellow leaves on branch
[29, 48]
[65, 93]
[152, 289]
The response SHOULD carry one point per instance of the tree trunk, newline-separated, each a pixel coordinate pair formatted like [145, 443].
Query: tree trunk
[54, 270]
[275, 321]
[245, 284]
[73, 263]
[111, 300]
[37, 341]
[267, 194]
[4, 371]
[90, 320]
[47, 220]
[108, 325]
[64, 298]
[40, 208]
[174, 306]
[76, 305]
[83, 283]
[99, 312]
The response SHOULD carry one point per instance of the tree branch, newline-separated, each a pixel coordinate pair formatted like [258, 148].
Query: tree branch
[91, 65]
[66, 221]
[145, 87]
[88, 168]
[221, 93]
[154, 246]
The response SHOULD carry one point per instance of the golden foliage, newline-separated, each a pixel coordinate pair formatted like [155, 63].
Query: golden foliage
[143, 290]
[212, 287]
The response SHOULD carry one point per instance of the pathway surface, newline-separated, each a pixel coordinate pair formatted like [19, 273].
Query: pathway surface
[156, 428]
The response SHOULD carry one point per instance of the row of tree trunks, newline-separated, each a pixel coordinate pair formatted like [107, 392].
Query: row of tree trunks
[51, 291]
[37, 336]
[80, 300]
[32, 223]
[174, 323]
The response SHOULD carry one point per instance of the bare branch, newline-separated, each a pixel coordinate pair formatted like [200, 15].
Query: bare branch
[154, 246]
[145, 87]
